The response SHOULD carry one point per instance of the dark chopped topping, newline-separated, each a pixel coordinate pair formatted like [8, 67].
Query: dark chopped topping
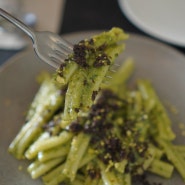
[81, 104]
[131, 155]
[75, 127]
[94, 94]
[101, 60]
[61, 68]
[63, 65]
[102, 47]
[113, 144]
[114, 135]
[100, 127]
[94, 173]
[77, 110]
[80, 54]
[66, 60]
[63, 90]
[91, 41]
[113, 147]
[52, 127]
[85, 82]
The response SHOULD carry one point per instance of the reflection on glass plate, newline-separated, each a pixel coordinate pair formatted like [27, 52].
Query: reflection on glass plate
[160, 18]
[164, 66]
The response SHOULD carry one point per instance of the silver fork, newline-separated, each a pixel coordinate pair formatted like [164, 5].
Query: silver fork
[49, 47]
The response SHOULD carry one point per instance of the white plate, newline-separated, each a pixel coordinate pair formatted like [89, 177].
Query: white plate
[164, 66]
[159, 18]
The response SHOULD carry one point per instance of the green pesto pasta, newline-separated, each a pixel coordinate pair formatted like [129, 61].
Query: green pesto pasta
[81, 131]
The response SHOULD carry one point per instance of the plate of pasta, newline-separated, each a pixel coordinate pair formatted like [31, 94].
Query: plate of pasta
[89, 123]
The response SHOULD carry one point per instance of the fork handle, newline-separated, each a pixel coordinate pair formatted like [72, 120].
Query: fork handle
[17, 23]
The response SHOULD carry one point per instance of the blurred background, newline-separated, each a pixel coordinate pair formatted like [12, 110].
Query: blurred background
[62, 17]
[94, 15]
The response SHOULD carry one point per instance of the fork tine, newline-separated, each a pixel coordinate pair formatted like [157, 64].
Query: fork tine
[116, 64]
[53, 64]
[109, 77]
[114, 67]
[60, 58]
[61, 51]
[57, 60]
[65, 45]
